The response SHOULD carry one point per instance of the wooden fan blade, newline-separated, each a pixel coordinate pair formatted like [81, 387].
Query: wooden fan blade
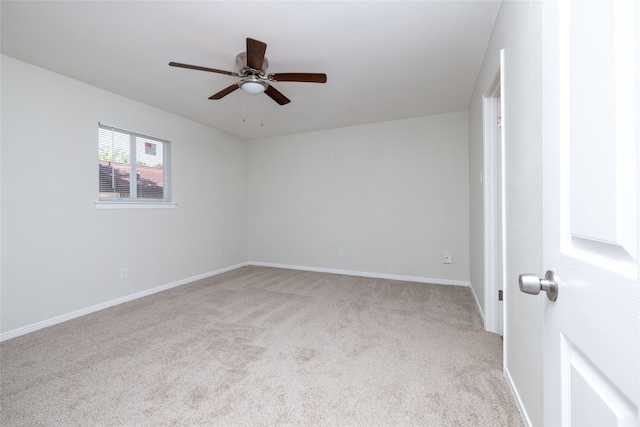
[224, 92]
[274, 94]
[255, 53]
[197, 67]
[299, 77]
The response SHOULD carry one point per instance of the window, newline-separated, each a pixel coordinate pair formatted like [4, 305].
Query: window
[122, 155]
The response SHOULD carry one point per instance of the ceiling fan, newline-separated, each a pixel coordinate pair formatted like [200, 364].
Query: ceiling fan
[253, 74]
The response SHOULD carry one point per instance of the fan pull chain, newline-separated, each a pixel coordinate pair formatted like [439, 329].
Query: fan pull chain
[244, 108]
[262, 110]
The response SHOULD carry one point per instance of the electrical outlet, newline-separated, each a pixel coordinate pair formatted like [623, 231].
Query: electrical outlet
[124, 273]
[340, 252]
[447, 258]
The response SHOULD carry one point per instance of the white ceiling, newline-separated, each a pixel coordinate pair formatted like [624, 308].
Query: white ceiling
[385, 60]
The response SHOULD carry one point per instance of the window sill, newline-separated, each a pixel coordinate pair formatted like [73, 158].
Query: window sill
[135, 205]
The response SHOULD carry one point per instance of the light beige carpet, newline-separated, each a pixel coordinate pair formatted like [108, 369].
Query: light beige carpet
[265, 347]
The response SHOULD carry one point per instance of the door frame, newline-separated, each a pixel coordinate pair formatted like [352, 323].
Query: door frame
[493, 196]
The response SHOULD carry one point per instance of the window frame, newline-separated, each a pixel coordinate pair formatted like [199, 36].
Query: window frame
[139, 202]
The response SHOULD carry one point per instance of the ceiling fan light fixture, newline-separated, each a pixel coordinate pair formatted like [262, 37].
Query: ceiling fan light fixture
[253, 86]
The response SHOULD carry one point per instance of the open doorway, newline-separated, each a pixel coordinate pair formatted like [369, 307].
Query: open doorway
[493, 191]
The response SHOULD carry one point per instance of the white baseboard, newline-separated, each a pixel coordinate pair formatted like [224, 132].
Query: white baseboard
[63, 318]
[516, 397]
[478, 306]
[364, 274]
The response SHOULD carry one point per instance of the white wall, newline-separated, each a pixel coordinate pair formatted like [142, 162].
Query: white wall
[518, 30]
[60, 254]
[392, 195]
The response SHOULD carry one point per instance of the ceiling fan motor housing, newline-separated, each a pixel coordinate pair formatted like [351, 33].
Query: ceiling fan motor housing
[241, 62]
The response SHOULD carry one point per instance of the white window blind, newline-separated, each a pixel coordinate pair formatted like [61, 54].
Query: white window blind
[123, 155]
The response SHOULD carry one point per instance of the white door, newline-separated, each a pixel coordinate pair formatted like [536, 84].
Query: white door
[591, 214]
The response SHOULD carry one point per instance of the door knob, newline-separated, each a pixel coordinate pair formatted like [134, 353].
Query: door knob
[532, 284]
